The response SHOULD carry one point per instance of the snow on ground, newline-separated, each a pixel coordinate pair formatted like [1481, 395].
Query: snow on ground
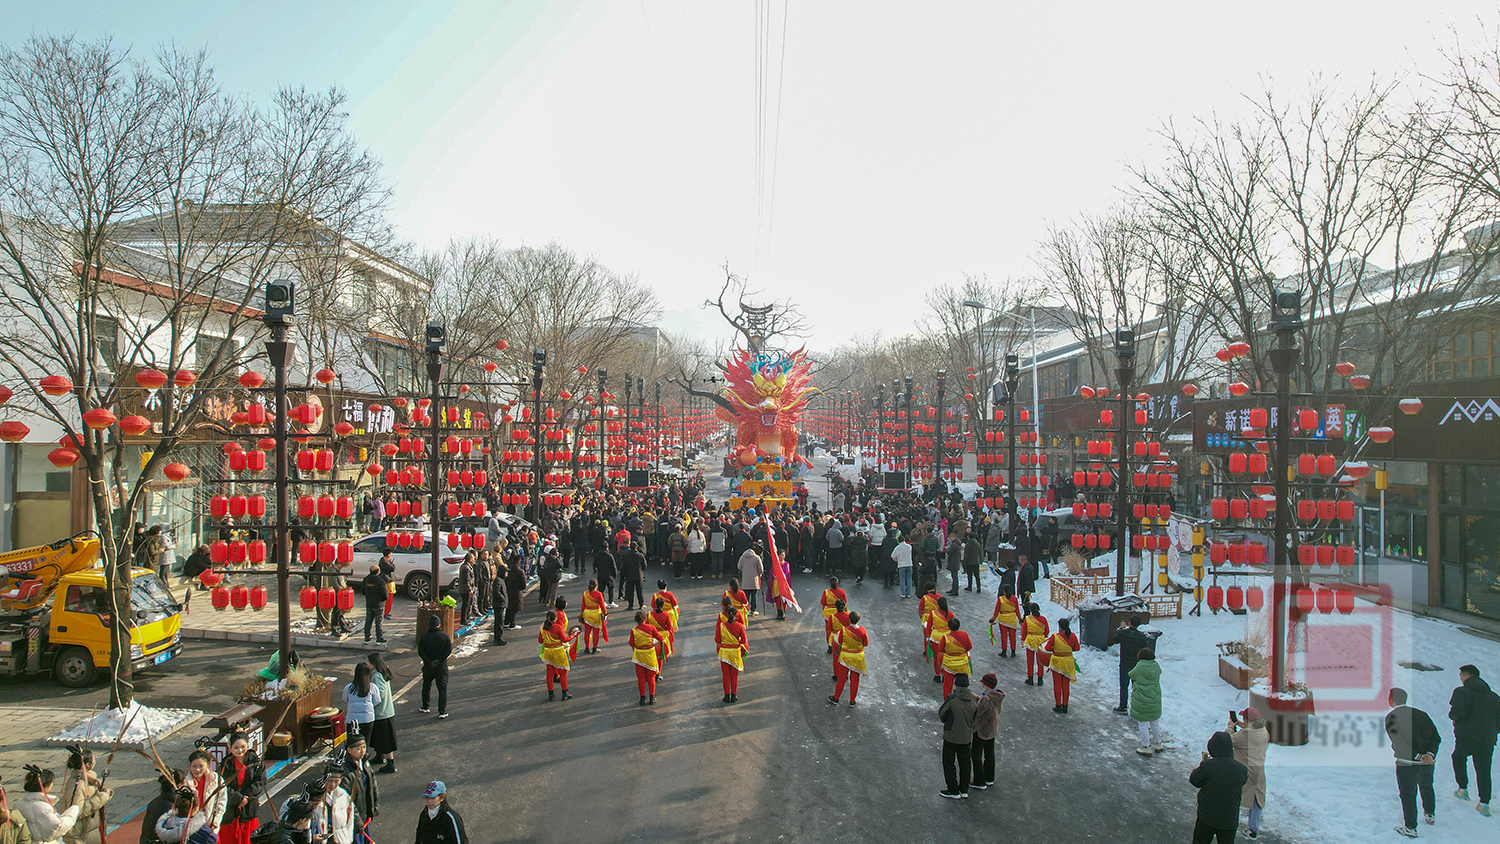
[1340, 787]
[136, 721]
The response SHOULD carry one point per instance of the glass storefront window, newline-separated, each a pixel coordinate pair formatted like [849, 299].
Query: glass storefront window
[1406, 484]
[1453, 484]
[1482, 487]
[1406, 535]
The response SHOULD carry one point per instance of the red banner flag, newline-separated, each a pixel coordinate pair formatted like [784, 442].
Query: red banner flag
[780, 588]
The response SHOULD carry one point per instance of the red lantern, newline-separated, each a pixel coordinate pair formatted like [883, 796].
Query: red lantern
[1381, 434]
[1325, 601]
[12, 431]
[55, 385]
[308, 598]
[176, 472]
[239, 597]
[99, 418]
[1190, 390]
[1255, 598]
[1234, 597]
[1215, 598]
[1410, 407]
[151, 379]
[307, 552]
[1305, 600]
[327, 598]
[1344, 368]
[255, 551]
[219, 596]
[1343, 600]
[1238, 389]
[62, 458]
[346, 599]
[183, 379]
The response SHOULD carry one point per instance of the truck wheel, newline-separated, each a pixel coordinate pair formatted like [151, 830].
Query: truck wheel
[419, 586]
[74, 668]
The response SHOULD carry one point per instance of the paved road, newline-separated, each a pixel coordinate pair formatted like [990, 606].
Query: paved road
[781, 765]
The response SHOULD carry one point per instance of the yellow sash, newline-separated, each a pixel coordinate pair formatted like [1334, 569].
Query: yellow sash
[555, 650]
[926, 607]
[643, 649]
[729, 648]
[829, 602]
[667, 639]
[955, 658]
[1062, 657]
[669, 606]
[1035, 633]
[592, 613]
[1007, 616]
[851, 651]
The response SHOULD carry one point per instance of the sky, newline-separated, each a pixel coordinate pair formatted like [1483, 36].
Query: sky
[848, 156]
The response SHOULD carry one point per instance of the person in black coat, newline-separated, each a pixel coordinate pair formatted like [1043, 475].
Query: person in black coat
[437, 823]
[434, 648]
[160, 804]
[515, 584]
[500, 599]
[605, 573]
[1220, 779]
[1025, 576]
[1474, 710]
[1131, 640]
[1415, 742]
[550, 575]
[359, 780]
[632, 576]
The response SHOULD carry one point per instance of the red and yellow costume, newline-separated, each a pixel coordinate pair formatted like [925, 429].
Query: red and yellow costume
[1064, 668]
[850, 662]
[830, 600]
[643, 641]
[671, 601]
[955, 658]
[665, 623]
[836, 624]
[558, 650]
[937, 629]
[733, 644]
[1008, 615]
[739, 601]
[593, 614]
[1034, 632]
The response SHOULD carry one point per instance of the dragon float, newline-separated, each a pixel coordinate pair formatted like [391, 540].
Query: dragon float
[764, 397]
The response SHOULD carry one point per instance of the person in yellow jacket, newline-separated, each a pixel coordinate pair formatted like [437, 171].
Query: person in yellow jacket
[644, 638]
[558, 646]
[850, 664]
[937, 628]
[733, 643]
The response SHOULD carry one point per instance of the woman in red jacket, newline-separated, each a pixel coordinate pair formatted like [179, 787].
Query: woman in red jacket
[831, 597]
[661, 618]
[1034, 632]
[644, 638]
[592, 612]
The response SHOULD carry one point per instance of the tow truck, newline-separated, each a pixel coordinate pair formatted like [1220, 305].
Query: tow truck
[55, 613]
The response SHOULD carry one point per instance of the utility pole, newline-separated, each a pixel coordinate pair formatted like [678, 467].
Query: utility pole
[538, 361]
[659, 415]
[603, 421]
[910, 448]
[436, 336]
[940, 428]
[1012, 383]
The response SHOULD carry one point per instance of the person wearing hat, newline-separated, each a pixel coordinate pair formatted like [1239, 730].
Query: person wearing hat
[986, 728]
[1251, 738]
[332, 817]
[159, 805]
[958, 714]
[1219, 779]
[438, 823]
[359, 781]
[433, 649]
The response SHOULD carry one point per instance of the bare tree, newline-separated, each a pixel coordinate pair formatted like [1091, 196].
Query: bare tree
[756, 325]
[146, 210]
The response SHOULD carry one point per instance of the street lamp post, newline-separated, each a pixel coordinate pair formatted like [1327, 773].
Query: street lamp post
[640, 414]
[280, 306]
[538, 361]
[1286, 320]
[910, 448]
[436, 337]
[1125, 372]
[879, 423]
[1012, 381]
[937, 441]
[603, 423]
[659, 416]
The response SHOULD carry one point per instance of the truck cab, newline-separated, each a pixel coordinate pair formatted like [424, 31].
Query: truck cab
[68, 635]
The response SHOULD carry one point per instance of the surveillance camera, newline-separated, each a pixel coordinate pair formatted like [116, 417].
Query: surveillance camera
[280, 299]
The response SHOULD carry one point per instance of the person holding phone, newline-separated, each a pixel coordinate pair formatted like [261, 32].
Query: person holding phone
[1415, 742]
[1251, 738]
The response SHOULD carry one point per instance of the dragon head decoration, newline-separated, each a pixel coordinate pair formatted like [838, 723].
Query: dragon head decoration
[765, 396]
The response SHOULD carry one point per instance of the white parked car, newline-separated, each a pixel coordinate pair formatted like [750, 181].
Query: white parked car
[413, 567]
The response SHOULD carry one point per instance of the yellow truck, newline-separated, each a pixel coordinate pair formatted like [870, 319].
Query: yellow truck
[55, 613]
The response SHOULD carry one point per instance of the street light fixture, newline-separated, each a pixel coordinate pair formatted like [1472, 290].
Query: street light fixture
[1030, 321]
[280, 307]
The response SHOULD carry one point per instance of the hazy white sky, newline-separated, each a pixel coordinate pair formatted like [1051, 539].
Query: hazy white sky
[910, 142]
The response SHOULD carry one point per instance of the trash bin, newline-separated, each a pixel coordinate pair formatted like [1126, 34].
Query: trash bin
[1098, 619]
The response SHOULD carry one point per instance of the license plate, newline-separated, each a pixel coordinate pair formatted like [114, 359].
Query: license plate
[161, 657]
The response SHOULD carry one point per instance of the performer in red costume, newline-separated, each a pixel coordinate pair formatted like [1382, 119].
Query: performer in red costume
[831, 596]
[644, 638]
[733, 644]
[593, 614]
[1059, 650]
[954, 655]
[661, 618]
[849, 661]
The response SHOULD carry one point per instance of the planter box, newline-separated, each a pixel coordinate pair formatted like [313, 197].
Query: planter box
[1288, 720]
[295, 712]
[1234, 672]
[449, 615]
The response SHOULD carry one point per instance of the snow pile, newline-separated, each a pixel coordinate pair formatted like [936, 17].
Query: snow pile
[1340, 787]
[468, 645]
[143, 721]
